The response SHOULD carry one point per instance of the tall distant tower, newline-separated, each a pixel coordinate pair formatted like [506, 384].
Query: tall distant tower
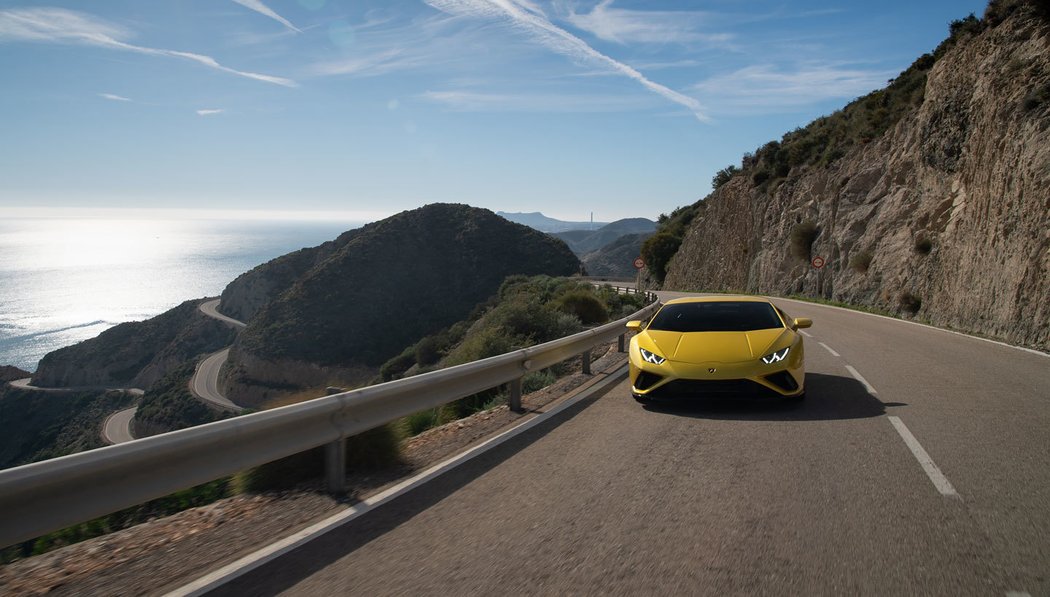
[592, 220]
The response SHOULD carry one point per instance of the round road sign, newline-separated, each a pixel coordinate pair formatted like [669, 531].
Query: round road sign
[639, 263]
[818, 262]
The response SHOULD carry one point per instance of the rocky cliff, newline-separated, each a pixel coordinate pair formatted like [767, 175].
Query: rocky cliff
[930, 198]
[387, 285]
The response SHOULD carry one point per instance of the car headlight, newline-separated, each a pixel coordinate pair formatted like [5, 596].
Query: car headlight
[651, 357]
[776, 357]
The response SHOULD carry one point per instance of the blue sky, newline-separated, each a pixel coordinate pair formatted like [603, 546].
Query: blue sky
[362, 108]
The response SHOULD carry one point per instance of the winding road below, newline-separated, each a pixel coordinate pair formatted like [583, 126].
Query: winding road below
[117, 427]
[919, 463]
[205, 382]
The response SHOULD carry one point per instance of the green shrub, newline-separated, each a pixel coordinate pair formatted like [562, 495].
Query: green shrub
[657, 251]
[923, 245]
[724, 175]
[802, 236]
[428, 350]
[760, 177]
[861, 261]
[909, 302]
[396, 367]
[585, 305]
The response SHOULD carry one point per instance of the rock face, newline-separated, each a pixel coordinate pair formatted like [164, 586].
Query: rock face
[364, 298]
[135, 354]
[945, 215]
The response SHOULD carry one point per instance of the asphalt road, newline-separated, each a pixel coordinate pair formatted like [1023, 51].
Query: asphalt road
[918, 464]
[117, 427]
[205, 382]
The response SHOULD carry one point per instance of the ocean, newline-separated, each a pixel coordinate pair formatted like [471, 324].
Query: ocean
[66, 280]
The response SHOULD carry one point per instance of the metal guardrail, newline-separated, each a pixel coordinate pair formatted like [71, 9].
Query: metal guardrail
[46, 496]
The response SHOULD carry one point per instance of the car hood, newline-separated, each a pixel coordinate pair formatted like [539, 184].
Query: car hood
[719, 347]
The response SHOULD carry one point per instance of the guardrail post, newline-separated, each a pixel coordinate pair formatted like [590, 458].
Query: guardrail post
[514, 400]
[586, 357]
[335, 465]
[619, 342]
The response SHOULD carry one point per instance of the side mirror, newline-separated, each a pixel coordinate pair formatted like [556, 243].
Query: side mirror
[803, 322]
[634, 325]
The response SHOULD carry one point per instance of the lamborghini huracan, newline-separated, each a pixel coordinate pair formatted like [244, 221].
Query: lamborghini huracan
[718, 346]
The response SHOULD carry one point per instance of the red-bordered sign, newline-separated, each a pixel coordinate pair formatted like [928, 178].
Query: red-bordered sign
[639, 263]
[818, 262]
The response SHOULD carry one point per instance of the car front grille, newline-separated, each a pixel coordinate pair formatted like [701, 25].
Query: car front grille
[697, 388]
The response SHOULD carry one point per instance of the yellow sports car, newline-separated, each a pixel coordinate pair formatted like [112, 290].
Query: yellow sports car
[718, 346]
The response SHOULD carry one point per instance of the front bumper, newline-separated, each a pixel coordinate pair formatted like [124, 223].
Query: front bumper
[693, 380]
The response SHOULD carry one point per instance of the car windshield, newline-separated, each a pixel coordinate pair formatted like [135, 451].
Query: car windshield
[722, 316]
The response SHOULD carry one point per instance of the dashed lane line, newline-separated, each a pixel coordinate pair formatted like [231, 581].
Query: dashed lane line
[860, 378]
[805, 333]
[927, 464]
[829, 349]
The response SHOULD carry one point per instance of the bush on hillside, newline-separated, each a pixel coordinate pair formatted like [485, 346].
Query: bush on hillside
[861, 261]
[585, 305]
[802, 236]
[724, 175]
[657, 251]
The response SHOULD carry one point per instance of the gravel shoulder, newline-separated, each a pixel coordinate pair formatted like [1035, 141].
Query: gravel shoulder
[164, 553]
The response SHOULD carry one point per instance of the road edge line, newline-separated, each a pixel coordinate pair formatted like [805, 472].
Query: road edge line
[925, 325]
[275, 550]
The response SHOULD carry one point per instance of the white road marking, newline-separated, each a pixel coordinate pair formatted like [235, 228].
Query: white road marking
[1018, 594]
[805, 333]
[934, 473]
[860, 378]
[830, 349]
[271, 552]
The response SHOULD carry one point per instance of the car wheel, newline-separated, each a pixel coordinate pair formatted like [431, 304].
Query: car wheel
[641, 399]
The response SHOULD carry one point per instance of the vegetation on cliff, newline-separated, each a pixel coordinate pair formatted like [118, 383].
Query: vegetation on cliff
[39, 425]
[169, 405]
[526, 311]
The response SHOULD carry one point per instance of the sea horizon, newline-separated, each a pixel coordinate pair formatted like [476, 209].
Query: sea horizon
[65, 279]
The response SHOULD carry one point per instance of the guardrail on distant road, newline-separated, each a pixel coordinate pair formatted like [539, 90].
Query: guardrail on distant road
[46, 496]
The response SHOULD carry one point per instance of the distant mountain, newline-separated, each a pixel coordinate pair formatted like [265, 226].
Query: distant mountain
[616, 259]
[583, 242]
[332, 315]
[544, 224]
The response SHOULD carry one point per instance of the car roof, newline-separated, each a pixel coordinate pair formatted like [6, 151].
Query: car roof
[718, 298]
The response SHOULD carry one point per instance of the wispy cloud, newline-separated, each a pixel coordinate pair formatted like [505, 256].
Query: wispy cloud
[210, 111]
[769, 89]
[529, 18]
[261, 8]
[645, 26]
[59, 25]
[472, 101]
[114, 97]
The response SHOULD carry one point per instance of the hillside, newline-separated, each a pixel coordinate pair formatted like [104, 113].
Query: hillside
[392, 282]
[135, 354]
[927, 198]
[616, 259]
[583, 242]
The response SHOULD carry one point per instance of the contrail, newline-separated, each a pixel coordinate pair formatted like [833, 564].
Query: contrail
[526, 16]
